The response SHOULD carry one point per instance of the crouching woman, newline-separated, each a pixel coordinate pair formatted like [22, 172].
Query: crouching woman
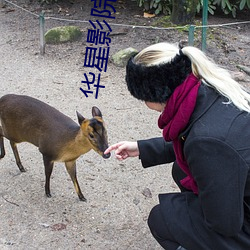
[205, 120]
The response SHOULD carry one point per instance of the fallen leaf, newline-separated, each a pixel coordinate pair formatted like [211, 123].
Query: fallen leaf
[148, 15]
[58, 227]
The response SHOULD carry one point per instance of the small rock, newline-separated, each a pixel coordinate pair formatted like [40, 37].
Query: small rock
[9, 243]
[44, 225]
[121, 58]
[147, 193]
[239, 76]
[63, 34]
[244, 68]
[136, 201]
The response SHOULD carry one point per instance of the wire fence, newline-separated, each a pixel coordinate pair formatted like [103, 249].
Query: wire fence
[191, 28]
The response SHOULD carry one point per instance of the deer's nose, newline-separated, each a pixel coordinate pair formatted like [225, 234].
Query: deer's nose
[106, 156]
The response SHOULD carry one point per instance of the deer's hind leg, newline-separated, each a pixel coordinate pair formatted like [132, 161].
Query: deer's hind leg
[71, 168]
[18, 161]
[1, 144]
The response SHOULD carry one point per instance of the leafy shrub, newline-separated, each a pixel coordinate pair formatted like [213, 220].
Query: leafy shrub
[227, 6]
[232, 6]
[211, 7]
[156, 6]
[165, 6]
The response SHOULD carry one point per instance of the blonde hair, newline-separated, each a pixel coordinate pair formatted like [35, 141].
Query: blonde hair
[202, 67]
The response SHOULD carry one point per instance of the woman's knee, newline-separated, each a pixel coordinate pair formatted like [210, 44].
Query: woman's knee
[159, 229]
[153, 218]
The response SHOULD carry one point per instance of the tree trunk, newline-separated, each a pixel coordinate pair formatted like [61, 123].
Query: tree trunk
[183, 11]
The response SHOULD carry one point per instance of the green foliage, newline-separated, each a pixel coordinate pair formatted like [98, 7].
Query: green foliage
[227, 6]
[211, 7]
[157, 6]
[244, 4]
[165, 6]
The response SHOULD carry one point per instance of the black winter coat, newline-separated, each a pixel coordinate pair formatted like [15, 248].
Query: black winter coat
[216, 145]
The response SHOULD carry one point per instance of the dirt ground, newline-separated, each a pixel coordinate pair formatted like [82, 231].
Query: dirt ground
[119, 195]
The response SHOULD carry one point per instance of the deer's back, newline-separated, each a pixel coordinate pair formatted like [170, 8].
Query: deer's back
[24, 118]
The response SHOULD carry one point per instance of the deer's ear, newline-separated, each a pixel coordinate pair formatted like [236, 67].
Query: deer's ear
[96, 112]
[80, 118]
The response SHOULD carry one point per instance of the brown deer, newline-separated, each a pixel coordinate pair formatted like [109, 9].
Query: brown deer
[59, 139]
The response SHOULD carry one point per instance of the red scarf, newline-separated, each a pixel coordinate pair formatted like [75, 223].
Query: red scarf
[174, 119]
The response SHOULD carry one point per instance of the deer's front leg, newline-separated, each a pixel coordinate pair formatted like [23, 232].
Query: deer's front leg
[48, 165]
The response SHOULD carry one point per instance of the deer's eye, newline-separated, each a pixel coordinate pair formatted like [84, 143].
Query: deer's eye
[91, 136]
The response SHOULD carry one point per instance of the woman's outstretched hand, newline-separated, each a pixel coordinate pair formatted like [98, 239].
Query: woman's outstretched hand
[124, 150]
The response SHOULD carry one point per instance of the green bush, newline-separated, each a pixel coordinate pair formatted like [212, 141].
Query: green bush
[211, 7]
[232, 6]
[156, 6]
[165, 6]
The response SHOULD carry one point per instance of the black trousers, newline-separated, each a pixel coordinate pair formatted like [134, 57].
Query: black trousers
[179, 221]
[156, 222]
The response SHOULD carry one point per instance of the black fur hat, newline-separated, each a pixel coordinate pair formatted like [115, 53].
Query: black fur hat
[156, 83]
